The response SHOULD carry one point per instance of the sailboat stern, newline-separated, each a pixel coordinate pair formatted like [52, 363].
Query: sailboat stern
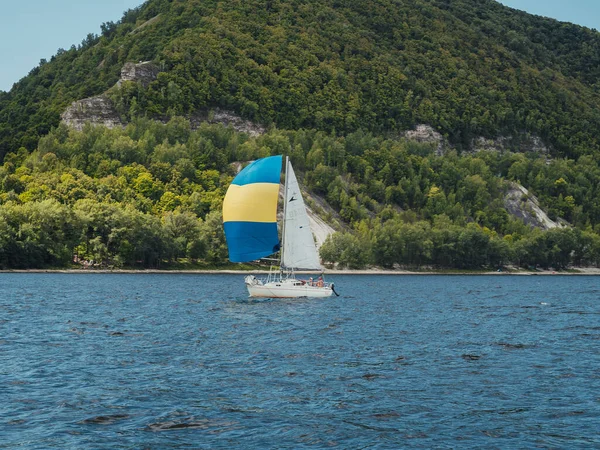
[251, 280]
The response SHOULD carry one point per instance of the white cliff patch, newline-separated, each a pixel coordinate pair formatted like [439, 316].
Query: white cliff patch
[426, 134]
[321, 229]
[97, 110]
[522, 204]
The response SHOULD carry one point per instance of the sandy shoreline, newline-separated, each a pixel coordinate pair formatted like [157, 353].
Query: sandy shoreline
[581, 271]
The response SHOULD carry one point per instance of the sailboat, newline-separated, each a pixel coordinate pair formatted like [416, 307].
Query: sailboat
[250, 223]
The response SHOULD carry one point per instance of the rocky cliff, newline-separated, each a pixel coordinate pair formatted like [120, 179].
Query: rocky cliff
[426, 134]
[523, 142]
[522, 204]
[227, 118]
[144, 72]
[99, 110]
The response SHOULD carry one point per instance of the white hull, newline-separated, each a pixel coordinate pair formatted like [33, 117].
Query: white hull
[288, 288]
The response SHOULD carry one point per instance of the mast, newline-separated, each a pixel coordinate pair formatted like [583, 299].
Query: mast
[285, 187]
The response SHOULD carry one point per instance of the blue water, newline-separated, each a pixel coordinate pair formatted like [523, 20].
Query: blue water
[99, 361]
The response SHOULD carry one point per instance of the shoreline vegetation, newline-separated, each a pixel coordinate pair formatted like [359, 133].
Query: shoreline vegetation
[82, 198]
[585, 271]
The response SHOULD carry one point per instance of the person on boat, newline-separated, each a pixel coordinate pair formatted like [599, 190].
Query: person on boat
[320, 282]
[310, 281]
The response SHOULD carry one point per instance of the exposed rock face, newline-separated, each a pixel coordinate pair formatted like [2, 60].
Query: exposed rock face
[96, 110]
[318, 208]
[144, 72]
[427, 135]
[521, 143]
[520, 203]
[227, 118]
[321, 229]
[99, 110]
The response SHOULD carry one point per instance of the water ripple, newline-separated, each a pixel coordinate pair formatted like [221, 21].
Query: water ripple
[188, 361]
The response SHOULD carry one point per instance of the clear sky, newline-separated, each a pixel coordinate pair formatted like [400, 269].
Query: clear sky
[581, 12]
[34, 29]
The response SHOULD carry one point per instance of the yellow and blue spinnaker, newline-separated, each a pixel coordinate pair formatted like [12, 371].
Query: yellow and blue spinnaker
[250, 211]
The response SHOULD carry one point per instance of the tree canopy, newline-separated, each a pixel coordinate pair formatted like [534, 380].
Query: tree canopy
[469, 68]
[150, 195]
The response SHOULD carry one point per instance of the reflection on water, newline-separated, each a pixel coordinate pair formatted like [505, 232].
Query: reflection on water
[188, 361]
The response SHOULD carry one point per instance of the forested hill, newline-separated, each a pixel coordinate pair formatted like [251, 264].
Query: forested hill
[467, 67]
[334, 84]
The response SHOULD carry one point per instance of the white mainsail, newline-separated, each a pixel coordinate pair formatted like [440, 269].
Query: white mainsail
[299, 249]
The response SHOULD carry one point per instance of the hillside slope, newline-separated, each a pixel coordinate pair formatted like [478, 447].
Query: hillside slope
[469, 68]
